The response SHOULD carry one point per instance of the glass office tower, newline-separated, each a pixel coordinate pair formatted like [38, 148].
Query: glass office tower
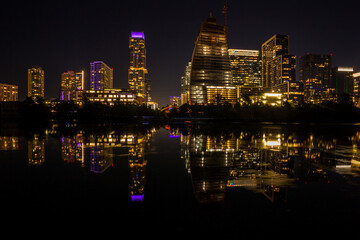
[245, 67]
[276, 46]
[315, 73]
[210, 61]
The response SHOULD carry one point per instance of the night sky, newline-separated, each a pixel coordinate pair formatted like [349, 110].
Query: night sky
[68, 35]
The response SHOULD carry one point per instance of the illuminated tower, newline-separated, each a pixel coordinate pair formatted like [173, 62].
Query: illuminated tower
[72, 85]
[101, 76]
[185, 85]
[138, 82]
[245, 67]
[210, 61]
[36, 82]
[315, 73]
[342, 79]
[271, 51]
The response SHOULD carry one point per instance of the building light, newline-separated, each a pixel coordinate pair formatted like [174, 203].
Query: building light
[345, 69]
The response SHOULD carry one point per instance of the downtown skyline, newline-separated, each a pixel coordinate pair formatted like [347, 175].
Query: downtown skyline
[70, 40]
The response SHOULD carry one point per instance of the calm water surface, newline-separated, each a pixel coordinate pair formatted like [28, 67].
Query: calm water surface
[183, 180]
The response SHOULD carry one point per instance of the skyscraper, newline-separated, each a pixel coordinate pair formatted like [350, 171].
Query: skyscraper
[72, 85]
[342, 79]
[245, 67]
[137, 75]
[315, 73]
[101, 76]
[210, 61]
[276, 46]
[185, 85]
[36, 77]
[8, 92]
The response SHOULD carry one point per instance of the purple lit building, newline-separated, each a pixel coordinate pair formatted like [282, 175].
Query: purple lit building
[101, 76]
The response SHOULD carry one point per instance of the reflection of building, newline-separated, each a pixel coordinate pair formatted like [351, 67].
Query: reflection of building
[208, 160]
[101, 76]
[137, 79]
[210, 65]
[36, 150]
[72, 149]
[100, 158]
[72, 85]
[8, 92]
[265, 161]
[245, 67]
[36, 82]
[137, 164]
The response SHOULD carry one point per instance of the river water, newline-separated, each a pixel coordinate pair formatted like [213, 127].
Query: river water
[202, 180]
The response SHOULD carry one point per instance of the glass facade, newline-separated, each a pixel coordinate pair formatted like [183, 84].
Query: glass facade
[245, 67]
[276, 46]
[315, 73]
[36, 77]
[210, 61]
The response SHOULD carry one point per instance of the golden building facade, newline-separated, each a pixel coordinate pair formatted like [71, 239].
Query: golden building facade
[210, 64]
[36, 76]
[137, 74]
[72, 85]
[8, 92]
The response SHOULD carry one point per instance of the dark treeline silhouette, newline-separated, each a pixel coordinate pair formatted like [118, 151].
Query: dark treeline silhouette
[39, 113]
[324, 112]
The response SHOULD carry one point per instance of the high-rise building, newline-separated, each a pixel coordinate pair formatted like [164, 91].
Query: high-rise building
[356, 77]
[101, 76]
[315, 73]
[245, 67]
[356, 91]
[72, 85]
[8, 92]
[342, 79]
[185, 85]
[276, 46]
[137, 75]
[174, 101]
[36, 77]
[210, 64]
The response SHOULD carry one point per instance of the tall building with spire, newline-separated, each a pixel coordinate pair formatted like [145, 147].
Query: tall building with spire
[137, 75]
[210, 65]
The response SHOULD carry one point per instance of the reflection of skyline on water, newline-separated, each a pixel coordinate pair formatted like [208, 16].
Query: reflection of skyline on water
[186, 175]
[268, 160]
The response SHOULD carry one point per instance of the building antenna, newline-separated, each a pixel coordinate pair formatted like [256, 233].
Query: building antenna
[224, 11]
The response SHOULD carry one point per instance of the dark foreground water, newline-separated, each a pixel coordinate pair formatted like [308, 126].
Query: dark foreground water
[182, 181]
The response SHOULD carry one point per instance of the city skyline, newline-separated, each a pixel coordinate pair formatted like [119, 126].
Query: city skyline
[171, 34]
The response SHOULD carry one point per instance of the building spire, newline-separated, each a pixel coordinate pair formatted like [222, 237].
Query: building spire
[224, 11]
